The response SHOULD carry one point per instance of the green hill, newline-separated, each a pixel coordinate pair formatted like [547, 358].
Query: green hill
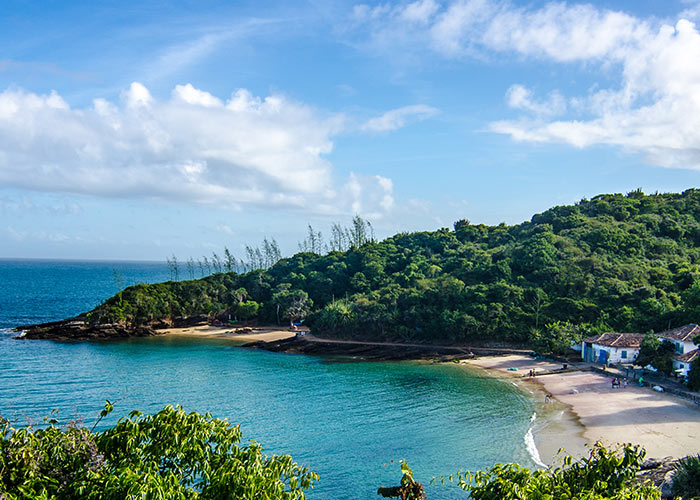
[615, 262]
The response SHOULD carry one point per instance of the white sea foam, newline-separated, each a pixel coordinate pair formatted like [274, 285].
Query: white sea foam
[530, 445]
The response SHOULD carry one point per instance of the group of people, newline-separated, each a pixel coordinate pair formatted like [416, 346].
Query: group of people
[531, 373]
[618, 382]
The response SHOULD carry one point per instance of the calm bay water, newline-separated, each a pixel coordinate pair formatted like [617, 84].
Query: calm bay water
[345, 420]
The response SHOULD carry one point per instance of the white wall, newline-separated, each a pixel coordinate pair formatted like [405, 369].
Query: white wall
[685, 366]
[615, 353]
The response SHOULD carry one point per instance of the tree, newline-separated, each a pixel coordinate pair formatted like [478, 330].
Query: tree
[694, 375]
[657, 353]
[293, 304]
[247, 309]
[190, 268]
[557, 337]
[171, 454]
[339, 240]
[216, 262]
[313, 242]
[229, 260]
[173, 267]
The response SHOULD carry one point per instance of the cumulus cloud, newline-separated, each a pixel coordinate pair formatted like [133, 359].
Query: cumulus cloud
[654, 109]
[398, 118]
[193, 147]
[371, 196]
[519, 97]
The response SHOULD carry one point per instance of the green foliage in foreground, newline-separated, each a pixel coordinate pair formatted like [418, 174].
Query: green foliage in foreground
[612, 263]
[168, 455]
[604, 475]
[686, 478]
[177, 455]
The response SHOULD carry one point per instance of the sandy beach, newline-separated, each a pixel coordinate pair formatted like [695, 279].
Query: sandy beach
[586, 409]
[244, 334]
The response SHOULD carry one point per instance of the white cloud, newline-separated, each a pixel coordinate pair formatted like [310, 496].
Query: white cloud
[419, 12]
[369, 195]
[192, 148]
[654, 109]
[519, 97]
[397, 118]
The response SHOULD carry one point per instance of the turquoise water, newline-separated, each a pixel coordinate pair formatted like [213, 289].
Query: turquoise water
[345, 420]
[36, 291]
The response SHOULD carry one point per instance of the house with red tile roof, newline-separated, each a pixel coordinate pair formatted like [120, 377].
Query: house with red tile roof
[681, 337]
[682, 362]
[611, 348]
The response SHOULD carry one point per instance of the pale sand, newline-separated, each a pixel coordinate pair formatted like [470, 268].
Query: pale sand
[665, 425]
[266, 334]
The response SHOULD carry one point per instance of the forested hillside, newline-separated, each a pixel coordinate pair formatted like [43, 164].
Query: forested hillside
[615, 262]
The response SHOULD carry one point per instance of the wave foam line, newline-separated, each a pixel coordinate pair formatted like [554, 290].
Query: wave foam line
[530, 445]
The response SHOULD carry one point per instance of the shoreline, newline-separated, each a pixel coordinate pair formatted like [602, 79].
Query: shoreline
[586, 409]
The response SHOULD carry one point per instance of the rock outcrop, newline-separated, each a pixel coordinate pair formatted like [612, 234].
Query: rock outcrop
[79, 329]
[660, 473]
[365, 352]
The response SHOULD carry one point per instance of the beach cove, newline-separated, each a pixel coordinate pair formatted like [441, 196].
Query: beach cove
[349, 421]
[583, 408]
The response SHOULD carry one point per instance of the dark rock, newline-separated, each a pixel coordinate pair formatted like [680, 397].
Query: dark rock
[159, 324]
[660, 473]
[183, 322]
[358, 350]
[79, 329]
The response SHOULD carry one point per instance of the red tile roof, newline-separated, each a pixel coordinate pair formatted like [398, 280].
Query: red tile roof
[689, 356]
[683, 333]
[632, 340]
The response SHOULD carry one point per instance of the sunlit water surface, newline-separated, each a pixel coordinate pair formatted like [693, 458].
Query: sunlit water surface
[345, 420]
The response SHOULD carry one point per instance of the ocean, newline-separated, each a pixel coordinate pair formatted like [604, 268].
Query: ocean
[352, 422]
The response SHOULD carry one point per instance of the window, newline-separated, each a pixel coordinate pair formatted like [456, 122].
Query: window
[624, 354]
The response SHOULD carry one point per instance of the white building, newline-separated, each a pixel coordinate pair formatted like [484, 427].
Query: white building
[611, 348]
[682, 337]
[681, 362]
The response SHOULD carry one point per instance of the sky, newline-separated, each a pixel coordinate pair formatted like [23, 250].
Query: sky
[139, 130]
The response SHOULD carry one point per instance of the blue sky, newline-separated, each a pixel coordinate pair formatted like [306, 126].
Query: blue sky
[135, 130]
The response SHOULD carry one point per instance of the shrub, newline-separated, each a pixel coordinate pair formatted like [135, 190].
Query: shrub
[603, 475]
[168, 455]
[686, 478]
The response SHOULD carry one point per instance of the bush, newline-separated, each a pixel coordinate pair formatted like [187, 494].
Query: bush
[169, 455]
[686, 478]
[604, 475]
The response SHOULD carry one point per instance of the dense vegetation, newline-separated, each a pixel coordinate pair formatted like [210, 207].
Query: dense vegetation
[177, 455]
[613, 263]
[169, 455]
